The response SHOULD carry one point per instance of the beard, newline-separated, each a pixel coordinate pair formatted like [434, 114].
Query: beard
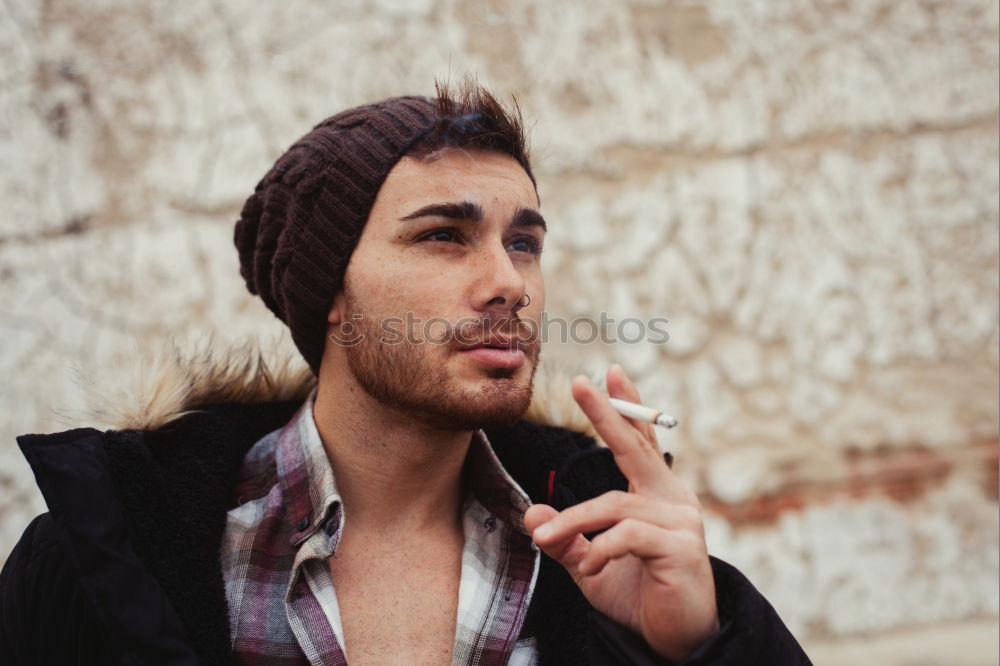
[414, 377]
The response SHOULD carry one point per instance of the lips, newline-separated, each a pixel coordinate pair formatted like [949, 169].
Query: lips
[497, 342]
[497, 352]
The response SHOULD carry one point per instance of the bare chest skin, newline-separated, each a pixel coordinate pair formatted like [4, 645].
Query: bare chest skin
[398, 598]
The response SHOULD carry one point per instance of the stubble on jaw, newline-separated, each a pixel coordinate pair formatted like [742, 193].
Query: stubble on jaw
[412, 378]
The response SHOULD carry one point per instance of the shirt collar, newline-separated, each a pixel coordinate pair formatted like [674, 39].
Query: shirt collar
[309, 490]
[490, 483]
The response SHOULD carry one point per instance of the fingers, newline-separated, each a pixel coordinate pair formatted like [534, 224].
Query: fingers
[568, 550]
[609, 509]
[639, 461]
[633, 444]
[620, 386]
[538, 514]
[641, 539]
[638, 525]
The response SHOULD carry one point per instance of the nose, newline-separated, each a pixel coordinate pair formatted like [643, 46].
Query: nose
[500, 287]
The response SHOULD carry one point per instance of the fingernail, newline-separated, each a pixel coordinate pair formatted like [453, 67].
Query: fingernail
[543, 531]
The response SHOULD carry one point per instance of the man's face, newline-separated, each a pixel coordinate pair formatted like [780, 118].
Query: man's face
[436, 287]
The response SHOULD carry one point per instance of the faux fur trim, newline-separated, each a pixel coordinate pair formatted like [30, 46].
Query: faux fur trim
[164, 386]
[552, 403]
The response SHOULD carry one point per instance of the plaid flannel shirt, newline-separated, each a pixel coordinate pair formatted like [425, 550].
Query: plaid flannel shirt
[288, 521]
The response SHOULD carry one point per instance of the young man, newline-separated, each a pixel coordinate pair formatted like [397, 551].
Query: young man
[395, 510]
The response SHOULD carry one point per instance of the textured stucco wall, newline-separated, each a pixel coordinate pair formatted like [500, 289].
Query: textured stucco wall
[807, 191]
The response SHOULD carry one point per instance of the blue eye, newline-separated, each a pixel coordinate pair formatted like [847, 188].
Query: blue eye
[442, 235]
[525, 244]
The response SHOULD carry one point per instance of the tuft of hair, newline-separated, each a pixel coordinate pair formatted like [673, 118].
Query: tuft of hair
[470, 116]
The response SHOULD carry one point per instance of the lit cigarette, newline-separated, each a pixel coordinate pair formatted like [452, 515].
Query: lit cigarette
[642, 413]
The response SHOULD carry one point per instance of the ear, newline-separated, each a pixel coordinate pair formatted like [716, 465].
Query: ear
[336, 313]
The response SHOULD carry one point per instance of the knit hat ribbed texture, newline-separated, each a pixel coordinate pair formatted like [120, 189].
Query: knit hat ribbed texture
[297, 231]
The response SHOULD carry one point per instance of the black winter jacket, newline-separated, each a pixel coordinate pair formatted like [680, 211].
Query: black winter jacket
[124, 567]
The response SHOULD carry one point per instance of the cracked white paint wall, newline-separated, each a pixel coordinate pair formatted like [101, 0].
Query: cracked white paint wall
[807, 191]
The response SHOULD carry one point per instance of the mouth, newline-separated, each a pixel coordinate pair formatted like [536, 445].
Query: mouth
[497, 352]
[496, 342]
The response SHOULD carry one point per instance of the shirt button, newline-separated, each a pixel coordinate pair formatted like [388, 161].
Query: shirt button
[303, 524]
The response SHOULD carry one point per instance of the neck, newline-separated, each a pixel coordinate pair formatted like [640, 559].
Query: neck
[393, 472]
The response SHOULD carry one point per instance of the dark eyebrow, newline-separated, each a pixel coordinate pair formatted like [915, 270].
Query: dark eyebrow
[458, 210]
[473, 212]
[527, 217]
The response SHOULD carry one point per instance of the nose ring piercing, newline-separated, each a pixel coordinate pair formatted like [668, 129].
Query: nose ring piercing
[527, 301]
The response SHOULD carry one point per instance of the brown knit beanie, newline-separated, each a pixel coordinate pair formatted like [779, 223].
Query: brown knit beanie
[297, 231]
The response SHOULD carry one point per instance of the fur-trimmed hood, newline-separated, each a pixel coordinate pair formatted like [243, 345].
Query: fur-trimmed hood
[158, 388]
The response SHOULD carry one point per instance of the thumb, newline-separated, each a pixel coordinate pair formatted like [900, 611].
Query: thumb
[567, 551]
[536, 515]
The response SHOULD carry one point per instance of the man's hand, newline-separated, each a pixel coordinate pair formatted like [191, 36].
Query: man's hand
[649, 571]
